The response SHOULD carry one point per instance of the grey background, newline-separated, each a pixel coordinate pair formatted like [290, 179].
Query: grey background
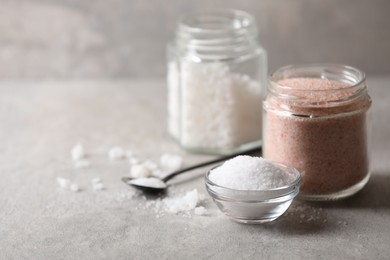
[127, 38]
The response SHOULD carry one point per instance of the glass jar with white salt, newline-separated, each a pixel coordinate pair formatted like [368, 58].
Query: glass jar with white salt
[216, 74]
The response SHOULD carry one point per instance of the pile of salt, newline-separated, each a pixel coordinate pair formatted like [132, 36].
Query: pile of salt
[249, 173]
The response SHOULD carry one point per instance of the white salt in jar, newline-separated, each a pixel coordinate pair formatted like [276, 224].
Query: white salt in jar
[316, 119]
[216, 74]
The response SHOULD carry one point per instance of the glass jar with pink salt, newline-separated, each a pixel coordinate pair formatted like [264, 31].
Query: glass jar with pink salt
[316, 119]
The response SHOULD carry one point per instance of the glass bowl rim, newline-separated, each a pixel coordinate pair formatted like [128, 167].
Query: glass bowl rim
[287, 188]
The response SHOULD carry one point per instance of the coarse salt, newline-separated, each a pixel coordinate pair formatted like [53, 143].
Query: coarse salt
[126, 195]
[179, 204]
[145, 169]
[97, 184]
[171, 162]
[140, 171]
[150, 164]
[182, 204]
[82, 163]
[67, 184]
[130, 153]
[149, 182]
[63, 183]
[200, 211]
[77, 152]
[220, 108]
[134, 160]
[74, 187]
[96, 180]
[116, 153]
[249, 173]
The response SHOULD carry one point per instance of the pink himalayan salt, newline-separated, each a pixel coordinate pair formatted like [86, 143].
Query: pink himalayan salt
[330, 153]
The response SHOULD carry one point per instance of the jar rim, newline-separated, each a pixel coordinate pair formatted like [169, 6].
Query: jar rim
[301, 101]
[319, 70]
[217, 34]
[219, 20]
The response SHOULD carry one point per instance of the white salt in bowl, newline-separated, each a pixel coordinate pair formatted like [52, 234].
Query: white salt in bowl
[255, 206]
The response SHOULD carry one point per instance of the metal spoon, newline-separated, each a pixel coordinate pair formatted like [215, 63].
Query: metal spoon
[160, 185]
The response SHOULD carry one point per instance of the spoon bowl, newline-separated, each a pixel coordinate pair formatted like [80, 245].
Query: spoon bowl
[145, 187]
[156, 185]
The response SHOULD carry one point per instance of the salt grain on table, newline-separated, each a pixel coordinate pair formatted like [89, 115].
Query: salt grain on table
[97, 184]
[171, 162]
[179, 204]
[82, 163]
[77, 152]
[116, 153]
[140, 171]
[200, 211]
[67, 184]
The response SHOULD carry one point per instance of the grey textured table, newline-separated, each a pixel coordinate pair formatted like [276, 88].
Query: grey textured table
[41, 121]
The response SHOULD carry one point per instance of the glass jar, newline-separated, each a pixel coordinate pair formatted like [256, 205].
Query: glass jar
[216, 70]
[316, 120]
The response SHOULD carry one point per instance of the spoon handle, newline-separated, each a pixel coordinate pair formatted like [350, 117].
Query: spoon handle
[254, 150]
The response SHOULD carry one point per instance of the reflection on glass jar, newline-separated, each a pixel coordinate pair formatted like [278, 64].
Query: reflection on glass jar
[216, 70]
[316, 120]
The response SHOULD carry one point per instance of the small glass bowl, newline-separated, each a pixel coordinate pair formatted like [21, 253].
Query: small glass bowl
[255, 206]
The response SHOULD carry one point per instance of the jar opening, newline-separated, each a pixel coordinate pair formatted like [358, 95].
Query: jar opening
[334, 72]
[220, 34]
[317, 89]
[219, 21]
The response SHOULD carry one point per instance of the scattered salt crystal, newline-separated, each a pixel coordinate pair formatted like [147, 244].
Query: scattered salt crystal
[130, 154]
[150, 164]
[158, 174]
[201, 197]
[171, 162]
[134, 160]
[77, 152]
[97, 186]
[140, 171]
[182, 204]
[96, 180]
[63, 183]
[67, 184]
[177, 204]
[249, 173]
[127, 194]
[307, 213]
[82, 163]
[145, 169]
[192, 198]
[74, 187]
[200, 211]
[149, 182]
[116, 153]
